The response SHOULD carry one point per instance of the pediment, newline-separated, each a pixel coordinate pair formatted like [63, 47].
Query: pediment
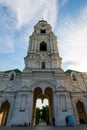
[43, 84]
[61, 88]
[41, 55]
[44, 56]
[9, 89]
[24, 87]
[36, 56]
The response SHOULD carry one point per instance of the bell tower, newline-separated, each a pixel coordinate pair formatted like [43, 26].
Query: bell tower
[43, 54]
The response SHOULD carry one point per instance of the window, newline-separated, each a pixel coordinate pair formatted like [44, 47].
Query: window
[63, 103]
[74, 77]
[43, 65]
[12, 77]
[43, 46]
[43, 31]
[23, 101]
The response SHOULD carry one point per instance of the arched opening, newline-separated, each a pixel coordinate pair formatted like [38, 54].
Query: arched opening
[74, 77]
[43, 46]
[43, 31]
[37, 93]
[43, 65]
[42, 107]
[81, 112]
[4, 109]
[12, 77]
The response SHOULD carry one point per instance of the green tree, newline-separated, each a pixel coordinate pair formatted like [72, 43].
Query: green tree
[45, 114]
[42, 114]
[37, 115]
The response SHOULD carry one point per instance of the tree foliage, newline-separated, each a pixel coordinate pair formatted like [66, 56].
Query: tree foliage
[42, 114]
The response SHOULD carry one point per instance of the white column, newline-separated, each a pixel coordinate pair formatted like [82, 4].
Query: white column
[29, 47]
[57, 47]
[55, 109]
[48, 46]
[38, 45]
[51, 42]
[30, 107]
[54, 47]
[32, 45]
[35, 45]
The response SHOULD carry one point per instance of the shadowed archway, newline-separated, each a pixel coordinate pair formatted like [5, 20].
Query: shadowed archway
[39, 94]
[81, 112]
[4, 109]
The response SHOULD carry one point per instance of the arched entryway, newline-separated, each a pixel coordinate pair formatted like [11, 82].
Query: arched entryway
[81, 112]
[4, 109]
[43, 94]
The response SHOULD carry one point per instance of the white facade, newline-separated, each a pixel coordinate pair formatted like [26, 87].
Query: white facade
[42, 78]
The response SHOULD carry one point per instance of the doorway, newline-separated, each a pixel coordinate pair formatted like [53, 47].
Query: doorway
[81, 112]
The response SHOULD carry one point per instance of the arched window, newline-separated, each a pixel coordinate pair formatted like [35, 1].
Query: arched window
[43, 65]
[74, 77]
[12, 77]
[43, 31]
[81, 112]
[43, 46]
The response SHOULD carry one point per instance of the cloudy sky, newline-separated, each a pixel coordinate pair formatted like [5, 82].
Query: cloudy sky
[69, 23]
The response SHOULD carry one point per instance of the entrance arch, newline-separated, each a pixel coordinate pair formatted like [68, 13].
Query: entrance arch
[81, 112]
[4, 109]
[39, 94]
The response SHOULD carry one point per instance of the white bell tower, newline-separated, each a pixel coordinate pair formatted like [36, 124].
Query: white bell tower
[43, 54]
